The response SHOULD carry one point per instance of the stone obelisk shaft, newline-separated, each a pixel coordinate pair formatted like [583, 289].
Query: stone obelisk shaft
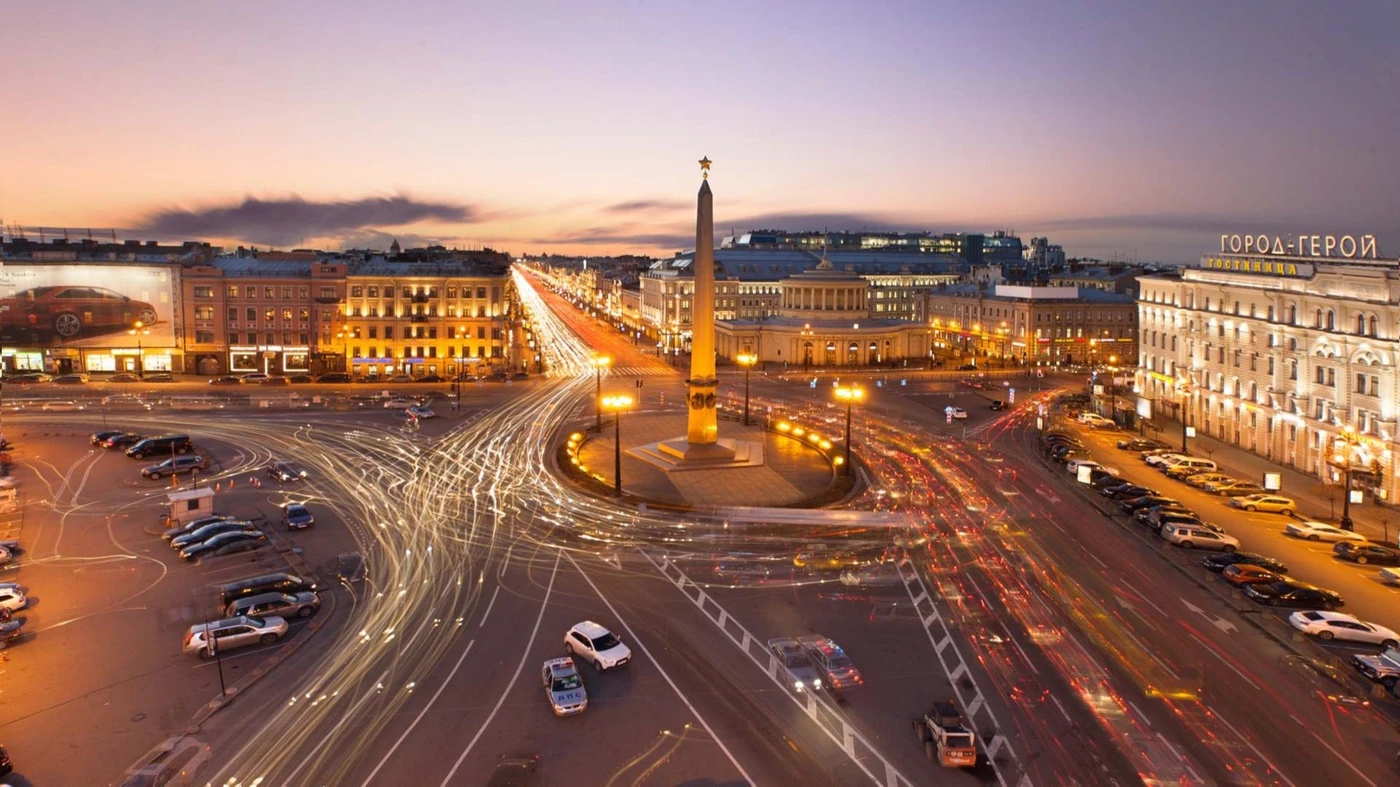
[703, 423]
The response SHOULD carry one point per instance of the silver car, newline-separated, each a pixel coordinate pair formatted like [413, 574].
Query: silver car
[283, 605]
[564, 687]
[794, 664]
[220, 635]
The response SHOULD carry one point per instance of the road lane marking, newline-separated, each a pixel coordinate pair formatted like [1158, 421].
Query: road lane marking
[659, 669]
[419, 717]
[489, 605]
[1344, 760]
[513, 678]
[1251, 746]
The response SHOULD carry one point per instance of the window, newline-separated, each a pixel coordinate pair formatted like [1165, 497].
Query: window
[1292, 370]
[269, 338]
[233, 315]
[1371, 326]
[451, 292]
[481, 292]
[270, 293]
[1361, 383]
[1331, 320]
[231, 291]
[1271, 364]
[204, 292]
[432, 333]
[252, 315]
[357, 292]
[286, 293]
[305, 314]
[374, 292]
[373, 332]
[250, 292]
[204, 312]
[1361, 324]
[480, 332]
[303, 292]
[388, 332]
[269, 315]
[204, 337]
[327, 293]
[286, 315]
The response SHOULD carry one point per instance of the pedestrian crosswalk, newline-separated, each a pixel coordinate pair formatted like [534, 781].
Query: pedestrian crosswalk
[642, 371]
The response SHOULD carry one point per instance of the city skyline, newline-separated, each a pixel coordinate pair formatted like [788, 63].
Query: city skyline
[1128, 133]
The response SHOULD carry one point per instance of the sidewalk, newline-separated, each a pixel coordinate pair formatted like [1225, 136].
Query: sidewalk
[1316, 500]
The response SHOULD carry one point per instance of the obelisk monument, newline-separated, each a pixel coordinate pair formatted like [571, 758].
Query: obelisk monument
[702, 425]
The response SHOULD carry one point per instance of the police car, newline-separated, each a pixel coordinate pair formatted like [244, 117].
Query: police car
[564, 687]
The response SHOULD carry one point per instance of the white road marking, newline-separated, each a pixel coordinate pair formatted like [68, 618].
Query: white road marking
[489, 605]
[419, 717]
[1344, 760]
[638, 642]
[1063, 712]
[513, 678]
[1251, 746]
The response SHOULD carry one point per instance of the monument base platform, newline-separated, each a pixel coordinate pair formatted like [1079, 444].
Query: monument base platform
[680, 454]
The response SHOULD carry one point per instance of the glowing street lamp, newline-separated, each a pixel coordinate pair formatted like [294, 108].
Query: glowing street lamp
[1342, 460]
[616, 404]
[746, 360]
[850, 394]
[138, 331]
[599, 363]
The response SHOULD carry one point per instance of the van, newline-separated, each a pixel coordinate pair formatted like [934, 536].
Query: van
[281, 582]
[1188, 465]
[161, 446]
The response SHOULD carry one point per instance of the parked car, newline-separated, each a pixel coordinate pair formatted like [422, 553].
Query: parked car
[1241, 574]
[1140, 445]
[226, 380]
[1362, 553]
[26, 378]
[1160, 459]
[67, 311]
[300, 379]
[273, 380]
[1094, 420]
[1218, 563]
[12, 599]
[1101, 478]
[1126, 491]
[1291, 593]
[201, 534]
[283, 605]
[98, 438]
[163, 446]
[195, 524]
[72, 379]
[123, 377]
[295, 516]
[1382, 668]
[1134, 504]
[1208, 479]
[1310, 530]
[334, 377]
[794, 662]
[224, 544]
[230, 633]
[1240, 489]
[432, 378]
[563, 687]
[1328, 626]
[1272, 504]
[253, 378]
[591, 642]
[1184, 466]
[179, 464]
[266, 583]
[836, 668]
[159, 377]
[1161, 519]
[286, 471]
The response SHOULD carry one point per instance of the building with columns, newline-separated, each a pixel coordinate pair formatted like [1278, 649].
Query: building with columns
[1289, 357]
[1034, 325]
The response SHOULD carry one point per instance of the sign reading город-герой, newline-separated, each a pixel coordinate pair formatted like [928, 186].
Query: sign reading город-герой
[1347, 246]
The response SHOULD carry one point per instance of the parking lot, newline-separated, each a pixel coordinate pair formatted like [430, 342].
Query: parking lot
[109, 600]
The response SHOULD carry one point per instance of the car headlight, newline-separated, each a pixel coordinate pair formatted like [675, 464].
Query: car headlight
[816, 684]
[797, 685]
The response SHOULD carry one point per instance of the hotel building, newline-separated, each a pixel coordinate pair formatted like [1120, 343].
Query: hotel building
[1291, 357]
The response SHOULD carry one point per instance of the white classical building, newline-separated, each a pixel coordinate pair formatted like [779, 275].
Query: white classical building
[1290, 357]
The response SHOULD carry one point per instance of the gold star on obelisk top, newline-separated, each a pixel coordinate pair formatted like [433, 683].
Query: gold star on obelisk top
[705, 167]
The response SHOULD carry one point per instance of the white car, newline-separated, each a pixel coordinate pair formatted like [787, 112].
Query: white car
[399, 403]
[12, 599]
[1162, 460]
[564, 687]
[1320, 531]
[62, 407]
[1197, 537]
[1073, 466]
[1094, 420]
[1336, 625]
[793, 660]
[957, 413]
[591, 642]
[421, 411]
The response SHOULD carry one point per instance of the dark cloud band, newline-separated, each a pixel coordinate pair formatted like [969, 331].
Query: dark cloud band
[281, 222]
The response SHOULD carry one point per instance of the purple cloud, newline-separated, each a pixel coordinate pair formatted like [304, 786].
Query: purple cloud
[287, 221]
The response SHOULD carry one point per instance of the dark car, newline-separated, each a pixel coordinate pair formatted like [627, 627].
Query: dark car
[266, 583]
[6, 767]
[179, 464]
[518, 771]
[1147, 501]
[296, 517]
[300, 379]
[400, 378]
[1291, 593]
[226, 380]
[276, 381]
[209, 531]
[1126, 491]
[334, 377]
[998, 404]
[432, 378]
[71, 379]
[122, 440]
[159, 377]
[98, 438]
[286, 471]
[161, 446]
[1100, 479]
[1360, 552]
[193, 525]
[968, 367]
[124, 377]
[1140, 445]
[68, 311]
[224, 544]
[1217, 562]
[29, 377]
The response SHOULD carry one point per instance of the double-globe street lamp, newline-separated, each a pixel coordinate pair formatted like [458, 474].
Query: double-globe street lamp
[139, 330]
[746, 360]
[1343, 461]
[599, 363]
[850, 394]
[615, 405]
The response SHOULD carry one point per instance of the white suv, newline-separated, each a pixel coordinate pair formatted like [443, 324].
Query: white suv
[595, 644]
[1192, 537]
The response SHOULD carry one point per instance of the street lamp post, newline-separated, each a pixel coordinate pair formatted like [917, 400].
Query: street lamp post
[850, 394]
[746, 360]
[1343, 462]
[138, 331]
[616, 404]
[599, 363]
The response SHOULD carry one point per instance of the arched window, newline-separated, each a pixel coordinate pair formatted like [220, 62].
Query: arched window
[1331, 320]
[873, 356]
[1292, 314]
[1317, 320]
[1371, 326]
[1361, 324]
[852, 354]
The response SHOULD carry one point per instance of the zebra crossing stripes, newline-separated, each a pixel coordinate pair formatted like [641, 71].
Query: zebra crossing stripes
[642, 371]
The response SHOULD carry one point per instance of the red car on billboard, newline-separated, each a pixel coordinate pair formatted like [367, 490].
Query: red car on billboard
[68, 311]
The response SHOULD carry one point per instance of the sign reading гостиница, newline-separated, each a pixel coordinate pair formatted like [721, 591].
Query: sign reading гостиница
[1346, 246]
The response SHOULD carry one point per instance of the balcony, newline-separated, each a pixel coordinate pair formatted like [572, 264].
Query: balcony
[420, 297]
[417, 318]
[328, 299]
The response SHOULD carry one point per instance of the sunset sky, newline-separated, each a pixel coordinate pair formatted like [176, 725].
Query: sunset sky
[1117, 129]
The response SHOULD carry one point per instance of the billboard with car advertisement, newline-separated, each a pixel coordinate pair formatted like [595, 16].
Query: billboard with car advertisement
[86, 305]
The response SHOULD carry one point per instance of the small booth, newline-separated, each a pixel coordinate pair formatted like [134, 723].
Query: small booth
[187, 505]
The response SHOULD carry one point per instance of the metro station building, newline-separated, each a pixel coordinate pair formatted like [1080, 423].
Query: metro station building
[1290, 356]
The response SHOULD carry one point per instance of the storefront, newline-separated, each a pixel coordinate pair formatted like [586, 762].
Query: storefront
[23, 360]
[372, 367]
[271, 359]
[128, 360]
